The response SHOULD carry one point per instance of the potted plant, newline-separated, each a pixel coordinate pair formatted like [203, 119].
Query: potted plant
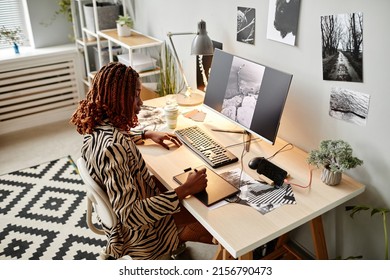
[335, 156]
[169, 84]
[374, 210]
[12, 36]
[124, 25]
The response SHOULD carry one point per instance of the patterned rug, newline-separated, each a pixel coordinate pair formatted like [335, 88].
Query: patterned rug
[42, 214]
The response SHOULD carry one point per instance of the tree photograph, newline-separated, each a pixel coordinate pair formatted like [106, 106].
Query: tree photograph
[342, 47]
[246, 19]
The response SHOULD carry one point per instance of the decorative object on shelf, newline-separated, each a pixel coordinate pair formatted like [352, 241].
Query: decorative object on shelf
[12, 36]
[335, 156]
[201, 45]
[374, 210]
[107, 14]
[124, 24]
[16, 48]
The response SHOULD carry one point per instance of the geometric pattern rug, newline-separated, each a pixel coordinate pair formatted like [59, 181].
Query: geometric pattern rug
[43, 214]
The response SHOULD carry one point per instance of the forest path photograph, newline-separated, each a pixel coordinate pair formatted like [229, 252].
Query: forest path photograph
[342, 47]
[342, 70]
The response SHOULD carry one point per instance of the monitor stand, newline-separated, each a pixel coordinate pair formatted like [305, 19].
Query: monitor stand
[248, 136]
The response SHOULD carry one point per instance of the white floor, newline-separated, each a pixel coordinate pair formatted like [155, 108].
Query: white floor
[37, 145]
[40, 144]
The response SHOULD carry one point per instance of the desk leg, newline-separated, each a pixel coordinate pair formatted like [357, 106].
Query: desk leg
[317, 232]
[247, 256]
[318, 236]
[223, 254]
[219, 254]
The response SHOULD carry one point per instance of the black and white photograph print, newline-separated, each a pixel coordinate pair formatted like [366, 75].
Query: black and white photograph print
[342, 47]
[258, 195]
[246, 19]
[150, 118]
[349, 105]
[283, 16]
[242, 92]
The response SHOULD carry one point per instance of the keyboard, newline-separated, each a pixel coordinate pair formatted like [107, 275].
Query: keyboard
[204, 146]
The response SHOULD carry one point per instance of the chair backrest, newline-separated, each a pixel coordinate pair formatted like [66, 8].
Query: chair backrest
[98, 198]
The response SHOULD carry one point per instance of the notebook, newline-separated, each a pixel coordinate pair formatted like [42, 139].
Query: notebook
[217, 187]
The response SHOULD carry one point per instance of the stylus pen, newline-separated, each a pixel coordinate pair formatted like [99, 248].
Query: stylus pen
[232, 131]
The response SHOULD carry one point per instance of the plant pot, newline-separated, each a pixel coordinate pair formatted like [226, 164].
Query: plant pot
[107, 14]
[331, 178]
[123, 30]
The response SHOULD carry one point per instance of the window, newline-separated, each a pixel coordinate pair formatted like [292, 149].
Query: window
[12, 16]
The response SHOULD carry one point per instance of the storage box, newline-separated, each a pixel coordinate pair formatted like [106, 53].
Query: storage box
[107, 13]
[141, 62]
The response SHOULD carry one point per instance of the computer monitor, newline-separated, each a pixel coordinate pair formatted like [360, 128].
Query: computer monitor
[248, 93]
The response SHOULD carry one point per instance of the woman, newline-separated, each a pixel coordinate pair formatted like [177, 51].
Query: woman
[152, 223]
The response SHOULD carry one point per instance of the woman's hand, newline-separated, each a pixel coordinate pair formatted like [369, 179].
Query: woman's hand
[159, 138]
[195, 183]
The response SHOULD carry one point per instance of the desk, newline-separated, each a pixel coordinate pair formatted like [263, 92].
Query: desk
[238, 228]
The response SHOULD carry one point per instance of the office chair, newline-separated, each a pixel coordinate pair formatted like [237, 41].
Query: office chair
[97, 199]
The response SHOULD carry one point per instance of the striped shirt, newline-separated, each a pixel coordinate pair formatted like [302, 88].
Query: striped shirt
[145, 229]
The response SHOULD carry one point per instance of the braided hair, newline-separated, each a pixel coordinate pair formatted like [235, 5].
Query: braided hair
[111, 97]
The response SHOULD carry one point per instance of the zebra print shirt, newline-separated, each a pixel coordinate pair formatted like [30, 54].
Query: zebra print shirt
[146, 229]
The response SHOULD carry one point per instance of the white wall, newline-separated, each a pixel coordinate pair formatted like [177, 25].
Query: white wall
[47, 28]
[306, 121]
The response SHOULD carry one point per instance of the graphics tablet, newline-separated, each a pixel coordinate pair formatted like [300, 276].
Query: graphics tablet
[217, 188]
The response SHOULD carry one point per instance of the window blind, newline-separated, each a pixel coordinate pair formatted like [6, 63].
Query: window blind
[12, 16]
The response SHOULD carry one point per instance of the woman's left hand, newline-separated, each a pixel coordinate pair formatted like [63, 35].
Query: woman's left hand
[159, 138]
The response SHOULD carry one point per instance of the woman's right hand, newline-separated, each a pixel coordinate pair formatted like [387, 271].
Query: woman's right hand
[196, 182]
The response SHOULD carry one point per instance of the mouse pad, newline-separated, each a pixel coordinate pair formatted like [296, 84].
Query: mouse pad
[217, 187]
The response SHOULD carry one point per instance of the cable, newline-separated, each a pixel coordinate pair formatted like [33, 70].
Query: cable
[304, 187]
[244, 142]
[285, 180]
[237, 198]
[281, 149]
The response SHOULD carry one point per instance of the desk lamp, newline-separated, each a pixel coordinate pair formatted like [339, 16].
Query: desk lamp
[201, 45]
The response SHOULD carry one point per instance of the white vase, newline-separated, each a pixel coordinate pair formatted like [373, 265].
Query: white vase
[123, 30]
[330, 178]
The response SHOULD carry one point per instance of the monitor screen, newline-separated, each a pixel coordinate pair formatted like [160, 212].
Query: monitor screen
[250, 94]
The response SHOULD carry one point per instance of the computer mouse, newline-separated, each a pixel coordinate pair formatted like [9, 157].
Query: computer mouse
[254, 162]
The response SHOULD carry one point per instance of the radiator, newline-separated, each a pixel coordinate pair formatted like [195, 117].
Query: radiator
[37, 90]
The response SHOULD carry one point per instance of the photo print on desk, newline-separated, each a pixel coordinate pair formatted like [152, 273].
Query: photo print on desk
[283, 21]
[349, 105]
[246, 19]
[151, 118]
[342, 47]
[262, 197]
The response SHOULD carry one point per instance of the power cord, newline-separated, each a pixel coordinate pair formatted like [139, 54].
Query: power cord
[304, 187]
[236, 198]
[287, 181]
[281, 149]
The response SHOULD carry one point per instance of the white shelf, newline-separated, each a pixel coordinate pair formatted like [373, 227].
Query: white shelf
[108, 38]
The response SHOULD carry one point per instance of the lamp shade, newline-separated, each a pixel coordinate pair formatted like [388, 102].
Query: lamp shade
[202, 44]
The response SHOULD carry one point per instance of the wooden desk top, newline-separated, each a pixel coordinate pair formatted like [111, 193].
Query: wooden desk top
[239, 228]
